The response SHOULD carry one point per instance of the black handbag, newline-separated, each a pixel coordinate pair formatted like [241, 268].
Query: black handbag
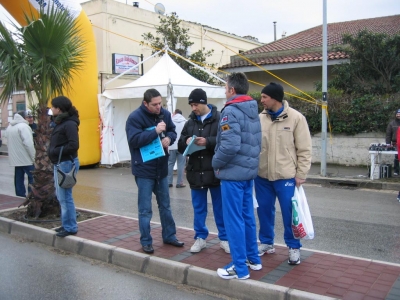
[66, 180]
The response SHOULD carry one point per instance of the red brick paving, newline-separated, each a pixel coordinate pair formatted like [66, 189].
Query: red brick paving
[320, 273]
[7, 202]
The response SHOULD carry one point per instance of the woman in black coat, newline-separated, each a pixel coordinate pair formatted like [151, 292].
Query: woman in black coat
[64, 145]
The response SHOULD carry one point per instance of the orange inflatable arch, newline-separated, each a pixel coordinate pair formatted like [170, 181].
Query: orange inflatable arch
[83, 93]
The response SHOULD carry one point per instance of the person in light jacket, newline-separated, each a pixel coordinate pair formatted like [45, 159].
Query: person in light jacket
[174, 154]
[21, 152]
[285, 160]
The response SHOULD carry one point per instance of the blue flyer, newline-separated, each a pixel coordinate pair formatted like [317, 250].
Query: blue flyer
[153, 150]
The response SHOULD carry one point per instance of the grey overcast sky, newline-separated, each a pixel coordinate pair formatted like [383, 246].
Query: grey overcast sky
[256, 17]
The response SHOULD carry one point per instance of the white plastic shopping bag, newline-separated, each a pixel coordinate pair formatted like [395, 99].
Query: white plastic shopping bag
[302, 225]
[255, 202]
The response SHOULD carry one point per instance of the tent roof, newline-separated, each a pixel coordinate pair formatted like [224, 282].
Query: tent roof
[165, 71]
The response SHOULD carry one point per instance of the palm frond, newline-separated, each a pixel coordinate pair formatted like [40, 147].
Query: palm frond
[43, 56]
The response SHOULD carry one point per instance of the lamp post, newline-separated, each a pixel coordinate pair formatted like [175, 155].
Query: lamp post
[324, 90]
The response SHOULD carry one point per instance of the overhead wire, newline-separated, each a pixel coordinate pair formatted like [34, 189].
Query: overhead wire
[313, 100]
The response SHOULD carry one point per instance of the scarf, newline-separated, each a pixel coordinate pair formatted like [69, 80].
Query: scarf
[275, 114]
[61, 117]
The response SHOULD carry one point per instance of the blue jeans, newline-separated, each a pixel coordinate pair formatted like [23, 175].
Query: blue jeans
[19, 179]
[146, 186]
[199, 201]
[266, 193]
[174, 155]
[64, 196]
[240, 223]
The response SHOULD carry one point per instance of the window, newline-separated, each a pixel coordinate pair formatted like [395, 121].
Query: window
[21, 106]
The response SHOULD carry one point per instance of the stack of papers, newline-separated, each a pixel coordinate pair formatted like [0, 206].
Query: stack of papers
[192, 147]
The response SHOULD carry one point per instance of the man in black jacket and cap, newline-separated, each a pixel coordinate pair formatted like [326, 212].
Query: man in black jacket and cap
[203, 123]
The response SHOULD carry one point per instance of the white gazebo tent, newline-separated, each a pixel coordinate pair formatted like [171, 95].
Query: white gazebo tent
[115, 105]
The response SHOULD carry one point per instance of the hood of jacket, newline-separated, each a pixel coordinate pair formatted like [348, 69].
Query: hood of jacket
[245, 104]
[178, 118]
[73, 118]
[18, 119]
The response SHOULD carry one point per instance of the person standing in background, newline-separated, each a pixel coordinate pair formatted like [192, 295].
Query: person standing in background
[398, 153]
[235, 163]
[285, 161]
[203, 122]
[31, 122]
[174, 155]
[391, 139]
[21, 152]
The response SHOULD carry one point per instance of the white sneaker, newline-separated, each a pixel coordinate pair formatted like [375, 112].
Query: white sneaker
[294, 256]
[253, 266]
[230, 273]
[225, 245]
[265, 248]
[198, 245]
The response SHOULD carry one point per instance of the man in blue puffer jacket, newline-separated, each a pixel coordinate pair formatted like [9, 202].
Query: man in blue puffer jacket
[143, 126]
[236, 162]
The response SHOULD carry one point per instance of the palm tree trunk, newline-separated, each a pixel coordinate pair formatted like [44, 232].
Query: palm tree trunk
[42, 200]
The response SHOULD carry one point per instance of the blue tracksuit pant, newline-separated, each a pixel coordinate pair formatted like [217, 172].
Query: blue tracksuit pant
[240, 223]
[266, 193]
[199, 202]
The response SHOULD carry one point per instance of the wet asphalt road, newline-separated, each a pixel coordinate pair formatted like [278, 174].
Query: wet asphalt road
[363, 223]
[31, 271]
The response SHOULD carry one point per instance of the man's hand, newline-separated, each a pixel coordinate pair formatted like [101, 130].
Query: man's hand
[161, 127]
[200, 141]
[165, 142]
[299, 181]
[188, 141]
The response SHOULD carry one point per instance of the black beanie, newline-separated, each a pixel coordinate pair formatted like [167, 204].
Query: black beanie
[274, 90]
[198, 96]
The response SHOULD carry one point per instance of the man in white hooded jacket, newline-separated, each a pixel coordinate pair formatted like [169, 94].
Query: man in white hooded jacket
[21, 151]
[174, 155]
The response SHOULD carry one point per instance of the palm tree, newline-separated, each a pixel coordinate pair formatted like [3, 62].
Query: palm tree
[41, 58]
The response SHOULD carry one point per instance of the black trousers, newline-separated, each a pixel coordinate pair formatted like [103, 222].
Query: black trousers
[396, 164]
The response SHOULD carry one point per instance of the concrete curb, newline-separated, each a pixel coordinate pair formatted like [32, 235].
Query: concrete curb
[354, 183]
[173, 271]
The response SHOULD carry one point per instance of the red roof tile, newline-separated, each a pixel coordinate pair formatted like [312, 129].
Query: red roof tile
[307, 45]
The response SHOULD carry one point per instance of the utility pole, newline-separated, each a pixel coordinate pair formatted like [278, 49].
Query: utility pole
[324, 90]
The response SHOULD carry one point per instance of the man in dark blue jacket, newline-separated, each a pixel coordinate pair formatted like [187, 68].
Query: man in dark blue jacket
[144, 125]
[236, 163]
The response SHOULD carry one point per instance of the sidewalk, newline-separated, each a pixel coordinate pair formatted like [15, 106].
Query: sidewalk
[115, 239]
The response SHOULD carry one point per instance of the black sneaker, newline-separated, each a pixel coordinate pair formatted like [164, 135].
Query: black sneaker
[64, 233]
[148, 249]
[58, 229]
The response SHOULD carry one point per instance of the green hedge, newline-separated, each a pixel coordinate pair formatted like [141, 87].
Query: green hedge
[347, 115]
